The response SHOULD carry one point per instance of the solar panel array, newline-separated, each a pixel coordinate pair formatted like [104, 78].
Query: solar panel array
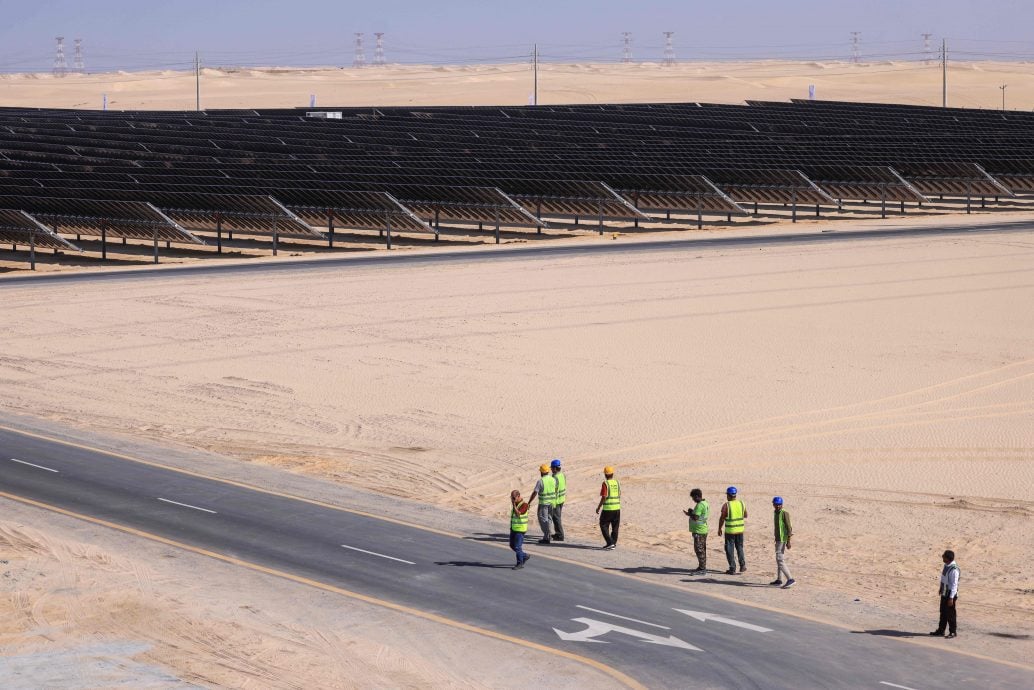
[181, 176]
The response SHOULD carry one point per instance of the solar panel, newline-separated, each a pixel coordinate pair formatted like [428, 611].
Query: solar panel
[18, 227]
[101, 217]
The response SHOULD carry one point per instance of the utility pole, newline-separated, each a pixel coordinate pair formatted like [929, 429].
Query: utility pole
[60, 64]
[669, 49]
[535, 70]
[626, 55]
[944, 73]
[197, 80]
[1002, 87]
[855, 47]
[927, 53]
[78, 65]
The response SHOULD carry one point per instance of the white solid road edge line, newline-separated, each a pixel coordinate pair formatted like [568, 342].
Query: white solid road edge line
[38, 467]
[624, 618]
[379, 555]
[895, 685]
[187, 505]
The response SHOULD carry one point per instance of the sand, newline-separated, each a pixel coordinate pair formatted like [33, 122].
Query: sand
[883, 387]
[970, 85]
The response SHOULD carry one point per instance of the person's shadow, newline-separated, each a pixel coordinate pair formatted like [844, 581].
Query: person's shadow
[472, 564]
[890, 633]
[485, 536]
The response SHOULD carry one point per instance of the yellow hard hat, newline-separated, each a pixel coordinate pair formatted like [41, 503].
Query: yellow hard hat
[608, 470]
[544, 469]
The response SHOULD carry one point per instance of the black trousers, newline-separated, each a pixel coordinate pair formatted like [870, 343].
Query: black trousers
[610, 521]
[949, 615]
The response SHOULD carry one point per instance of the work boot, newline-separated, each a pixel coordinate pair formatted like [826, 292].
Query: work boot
[730, 571]
[937, 633]
[544, 540]
[790, 583]
[519, 566]
[776, 582]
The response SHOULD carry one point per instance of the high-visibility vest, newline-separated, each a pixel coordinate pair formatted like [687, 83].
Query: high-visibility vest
[702, 511]
[518, 522]
[561, 488]
[734, 518]
[613, 499]
[780, 523]
[548, 495]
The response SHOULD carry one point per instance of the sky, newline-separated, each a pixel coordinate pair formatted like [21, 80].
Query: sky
[154, 34]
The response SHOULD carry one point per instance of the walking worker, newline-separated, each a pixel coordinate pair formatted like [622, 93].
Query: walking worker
[949, 595]
[609, 509]
[731, 520]
[545, 489]
[518, 526]
[783, 532]
[698, 528]
[561, 496]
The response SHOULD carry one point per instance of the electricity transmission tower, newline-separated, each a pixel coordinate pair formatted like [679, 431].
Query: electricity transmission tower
[927, 51]
[78, 60]
[856, 37]
[60, 64]
[360, 52]
[378, 51]
[669, 49]
[626, 55]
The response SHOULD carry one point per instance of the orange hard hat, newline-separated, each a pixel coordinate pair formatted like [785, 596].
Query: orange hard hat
[608, 470]
[544, 469]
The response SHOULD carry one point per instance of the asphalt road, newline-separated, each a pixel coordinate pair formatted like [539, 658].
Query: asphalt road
[545, 249]
[631, 625]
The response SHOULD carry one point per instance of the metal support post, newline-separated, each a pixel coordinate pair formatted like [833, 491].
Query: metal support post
[104, 242]
[755, 208]
[219, 233]
[330, 228]
[883, 201]
[902, 206]
[817, 213]
[387, 227]
[156, 245]
[599, 212]
[437, 227]
[32, 250]
[968, 198]
[276, 230]
[497, 226]
[793, 211]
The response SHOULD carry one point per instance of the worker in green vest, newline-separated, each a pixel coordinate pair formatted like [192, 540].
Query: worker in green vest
[545, 490]
[733, 517]
[783, 533]
[518, 527]
[609, 509]
[698, 527]
[561, 496]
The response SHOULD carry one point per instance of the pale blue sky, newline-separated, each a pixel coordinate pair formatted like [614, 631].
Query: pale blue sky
[118, 34]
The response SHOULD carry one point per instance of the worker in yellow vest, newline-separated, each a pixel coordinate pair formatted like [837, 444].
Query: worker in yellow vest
[518, 527]
[545, 490]
[732, 519]
[609, 509]
[698, 516]
[561, 496]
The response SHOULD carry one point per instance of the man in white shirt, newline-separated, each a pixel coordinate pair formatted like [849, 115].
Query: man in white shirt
[949, 594]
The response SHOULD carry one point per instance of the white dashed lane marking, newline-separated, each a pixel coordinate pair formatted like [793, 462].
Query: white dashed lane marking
[30, 464]
[187, 505]
[374, 553]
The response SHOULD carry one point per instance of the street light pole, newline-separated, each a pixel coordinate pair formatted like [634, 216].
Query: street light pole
[1002, 87]
[535, 61]
[197, 80]
[944, 73]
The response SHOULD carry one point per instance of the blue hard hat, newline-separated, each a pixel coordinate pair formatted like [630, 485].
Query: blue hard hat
[778, 500]
[731, 490]
[555, 464]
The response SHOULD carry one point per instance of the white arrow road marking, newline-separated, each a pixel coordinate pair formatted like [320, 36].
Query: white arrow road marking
[704, 617]
[595, 628]
[374, 553]
[187, 505]
[895, 685]
[38, 467]
[624, 618]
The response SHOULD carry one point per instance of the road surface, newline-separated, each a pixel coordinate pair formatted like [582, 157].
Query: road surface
[644, 634]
